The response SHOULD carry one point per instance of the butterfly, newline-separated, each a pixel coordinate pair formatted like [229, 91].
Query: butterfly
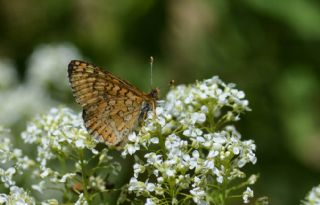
[112, 107]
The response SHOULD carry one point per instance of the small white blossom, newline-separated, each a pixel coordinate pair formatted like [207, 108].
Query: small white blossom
[132, 137]
[198, 117]
[67, 176]
[313, 197]
[150, 187]
[132, 148]
[39, 187]
[248, 193]
[97, 183]
[154, 140]
[50, 202]
[150, 201]
[252, 179]
[81, 200]
[137, 169]
[198, 195]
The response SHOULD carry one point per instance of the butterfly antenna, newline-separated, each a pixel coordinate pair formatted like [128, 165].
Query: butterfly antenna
[151, 67]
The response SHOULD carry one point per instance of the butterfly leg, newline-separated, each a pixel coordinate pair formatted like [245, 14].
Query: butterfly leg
[154, 110]
[143, 114]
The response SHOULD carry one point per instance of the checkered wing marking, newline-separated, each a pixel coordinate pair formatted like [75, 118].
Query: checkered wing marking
[111, 106]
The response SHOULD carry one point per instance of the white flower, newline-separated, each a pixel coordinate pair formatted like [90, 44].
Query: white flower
[198, 195]
[170, 172]
[154, 140]
[135, 185]
[67, 176]
[137, 169]
[219, 138]
[313, 197]
[50, 202]
[153, 159]
[132, 137]
[3, 198]
[80, 143]
[97, 183]
[198, 117]
[39, 187]
[192, 132]
[81, 200]
[248, 193]
[252, 179]
[150, 187]
[149, 201]
[132, 148]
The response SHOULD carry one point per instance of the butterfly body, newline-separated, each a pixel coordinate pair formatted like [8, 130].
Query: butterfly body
[112, 107]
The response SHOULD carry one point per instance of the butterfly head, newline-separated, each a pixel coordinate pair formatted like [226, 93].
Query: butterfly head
[154, 94]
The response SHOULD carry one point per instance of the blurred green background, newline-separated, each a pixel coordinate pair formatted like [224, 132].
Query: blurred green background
[269, 48]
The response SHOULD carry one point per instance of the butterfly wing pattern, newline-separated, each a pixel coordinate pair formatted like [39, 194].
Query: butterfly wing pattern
[112, 107]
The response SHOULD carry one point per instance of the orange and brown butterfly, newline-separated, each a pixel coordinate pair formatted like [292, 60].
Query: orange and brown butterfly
[112, 107]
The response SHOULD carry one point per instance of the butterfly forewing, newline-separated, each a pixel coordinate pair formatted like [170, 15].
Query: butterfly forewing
[111, 106]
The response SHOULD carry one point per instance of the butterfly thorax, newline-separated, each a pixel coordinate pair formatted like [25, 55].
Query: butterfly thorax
[149, 104]
[152, 97]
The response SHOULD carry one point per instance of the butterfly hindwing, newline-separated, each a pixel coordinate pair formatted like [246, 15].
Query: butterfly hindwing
[111, 106]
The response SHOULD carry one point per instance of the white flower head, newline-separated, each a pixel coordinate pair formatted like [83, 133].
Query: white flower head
[47, 65]
[248, 193]
[18, 196]
[188, 143]
[313, 197]
[56, 130]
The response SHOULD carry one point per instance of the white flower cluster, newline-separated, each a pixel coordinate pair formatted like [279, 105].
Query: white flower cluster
[189, 148]
[17, 196]
[59, 133]
[191, 104]
[12, 162]
[46, 76]
[60, 127]
[48, 65]
[313, 197]
[20, 103]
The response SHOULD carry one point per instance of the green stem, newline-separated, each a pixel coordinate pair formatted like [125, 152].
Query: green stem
[162, 144]
[84, 177]
[239, 186]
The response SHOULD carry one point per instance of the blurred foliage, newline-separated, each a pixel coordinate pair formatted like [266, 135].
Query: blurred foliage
[269, 48]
